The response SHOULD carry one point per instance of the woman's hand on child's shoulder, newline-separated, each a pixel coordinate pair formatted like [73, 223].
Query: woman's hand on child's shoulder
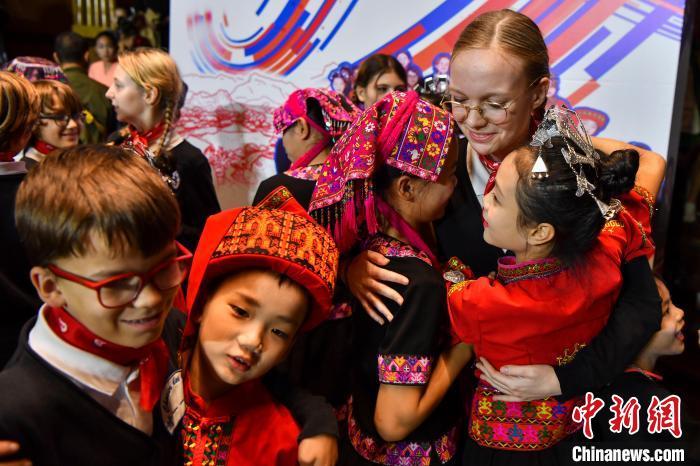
[321, 450]
[364, 276]
[8, 448]
[521, 383]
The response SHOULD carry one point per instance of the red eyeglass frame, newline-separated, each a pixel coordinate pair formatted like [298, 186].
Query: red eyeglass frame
[145, 278]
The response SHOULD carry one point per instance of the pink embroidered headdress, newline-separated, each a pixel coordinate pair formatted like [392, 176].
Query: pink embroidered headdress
[401, 130]
[337, 110]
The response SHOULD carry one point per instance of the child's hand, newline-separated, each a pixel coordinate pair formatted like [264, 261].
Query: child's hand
[8, 448]
[520, 383]
[321, 450]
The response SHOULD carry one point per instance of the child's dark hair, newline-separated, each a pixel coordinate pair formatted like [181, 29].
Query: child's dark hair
[313, 110]
[577, 220]
[385, 175]
[109, 35]
[376, 65]
[112, 193]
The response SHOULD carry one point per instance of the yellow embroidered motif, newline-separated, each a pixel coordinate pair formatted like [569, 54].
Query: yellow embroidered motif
[611, 225]
[567, 357]
[544, 411]
[644, 234]
[485, 406]
[458, 286]
[648, 198]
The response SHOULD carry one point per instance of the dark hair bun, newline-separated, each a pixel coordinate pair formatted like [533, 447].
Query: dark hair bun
[618, 171]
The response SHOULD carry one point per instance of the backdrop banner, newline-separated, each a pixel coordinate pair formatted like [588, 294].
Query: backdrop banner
[614, 61]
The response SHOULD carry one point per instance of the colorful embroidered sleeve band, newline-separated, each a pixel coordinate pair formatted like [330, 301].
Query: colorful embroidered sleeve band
[404, 370]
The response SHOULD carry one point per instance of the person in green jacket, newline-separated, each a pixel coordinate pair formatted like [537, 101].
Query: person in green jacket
[70, 51]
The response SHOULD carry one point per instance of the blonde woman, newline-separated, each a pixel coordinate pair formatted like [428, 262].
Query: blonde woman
[145, 94]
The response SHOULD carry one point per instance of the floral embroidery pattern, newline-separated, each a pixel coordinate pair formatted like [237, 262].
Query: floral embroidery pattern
[519, 426]
[205, 442]
[401, 453]
[358, 150]
[509, 271]
[567, 357]
[311, 172]
[391, 247]
[404, 370]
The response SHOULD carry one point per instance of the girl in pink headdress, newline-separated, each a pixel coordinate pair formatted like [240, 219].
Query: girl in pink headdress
[387, 178]
[309, 121]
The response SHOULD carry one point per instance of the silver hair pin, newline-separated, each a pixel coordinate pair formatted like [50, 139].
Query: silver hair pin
[564, 122]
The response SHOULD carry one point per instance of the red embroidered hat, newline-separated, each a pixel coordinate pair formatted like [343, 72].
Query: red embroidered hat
[402, 131]
[277, 234]
[338, 111]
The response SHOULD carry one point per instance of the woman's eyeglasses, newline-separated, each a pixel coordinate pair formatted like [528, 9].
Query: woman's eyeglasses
[494, 112]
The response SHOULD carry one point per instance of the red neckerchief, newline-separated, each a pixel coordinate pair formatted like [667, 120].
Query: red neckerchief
[650, 375]
[44, 147]
[491, 167]
[152, 358]
[147, 137]
[6, 156]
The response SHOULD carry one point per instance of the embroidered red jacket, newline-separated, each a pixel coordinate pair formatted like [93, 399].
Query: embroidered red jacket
[539, 312]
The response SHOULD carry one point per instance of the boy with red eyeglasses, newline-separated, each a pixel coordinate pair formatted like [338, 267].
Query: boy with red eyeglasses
[99, 225]
[84, 385]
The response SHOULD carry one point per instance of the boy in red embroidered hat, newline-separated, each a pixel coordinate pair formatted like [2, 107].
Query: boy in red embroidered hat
[99, 226]
[259, 276]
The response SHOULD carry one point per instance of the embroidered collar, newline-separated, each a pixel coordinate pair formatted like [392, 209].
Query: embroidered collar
[392, 247]
[311, 172]
[509, 271]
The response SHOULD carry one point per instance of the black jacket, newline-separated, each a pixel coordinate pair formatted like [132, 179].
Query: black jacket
[56, 423]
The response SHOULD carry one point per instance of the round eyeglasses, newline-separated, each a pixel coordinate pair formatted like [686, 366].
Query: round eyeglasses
[123, 289]
[493, 112]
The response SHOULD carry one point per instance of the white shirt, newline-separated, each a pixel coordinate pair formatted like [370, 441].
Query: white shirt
[478, 174]
[115, 387]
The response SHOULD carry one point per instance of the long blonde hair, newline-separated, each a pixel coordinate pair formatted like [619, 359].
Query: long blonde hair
[153, 67]
[19, 108]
